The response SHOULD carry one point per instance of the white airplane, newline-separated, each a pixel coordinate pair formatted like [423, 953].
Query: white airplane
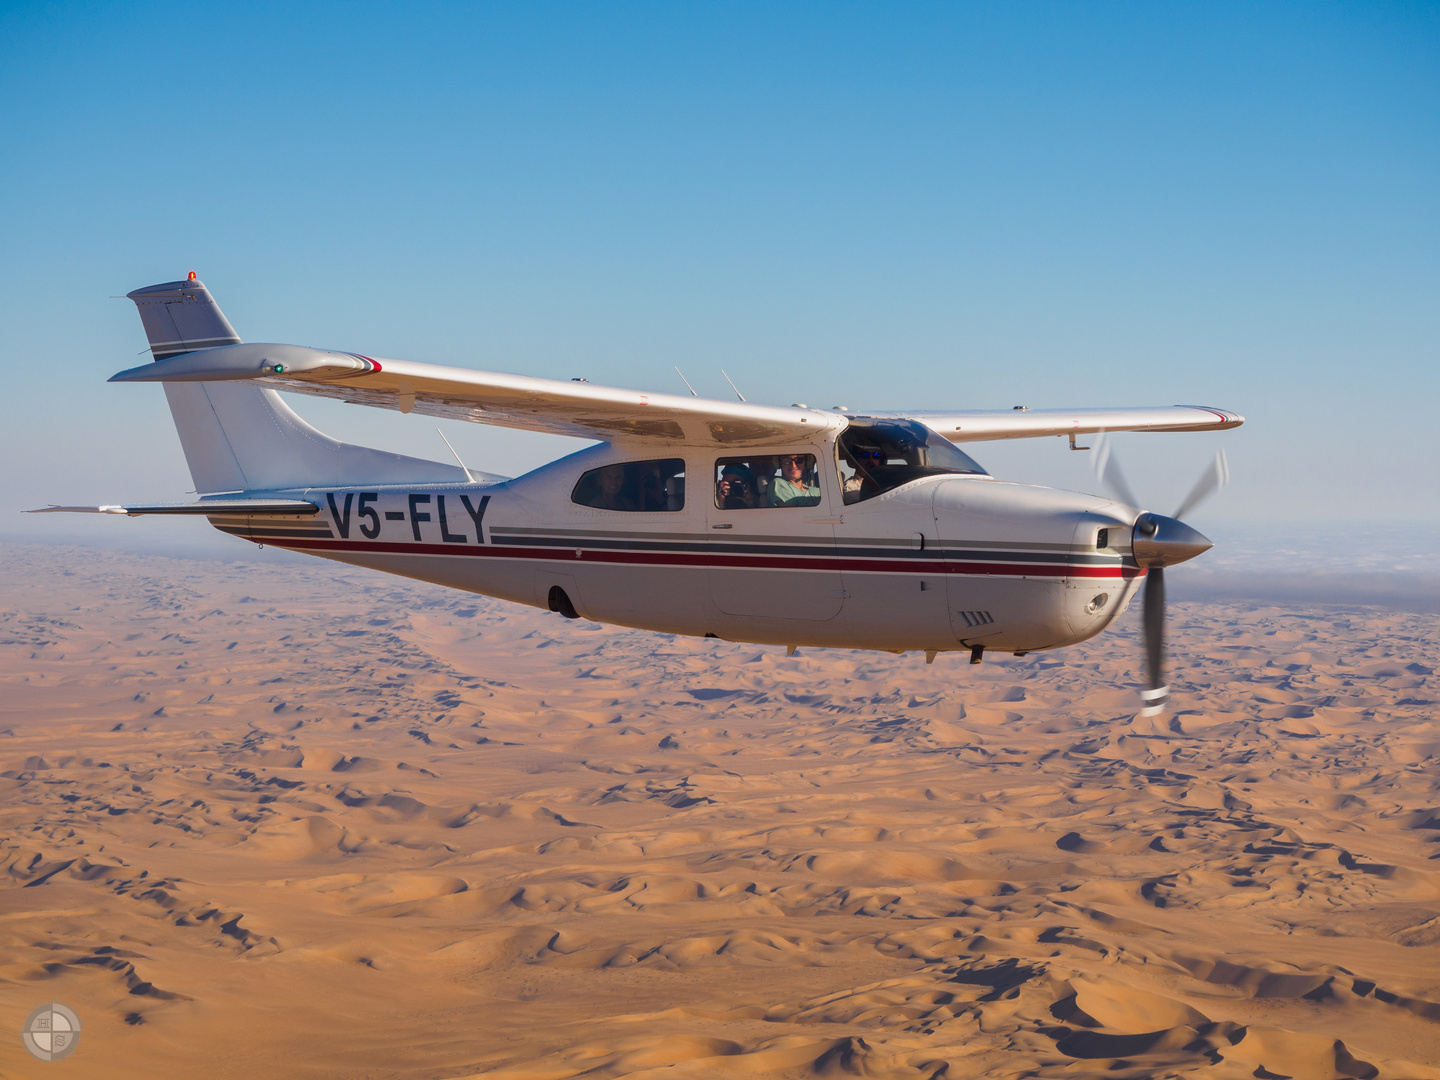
[787, 526]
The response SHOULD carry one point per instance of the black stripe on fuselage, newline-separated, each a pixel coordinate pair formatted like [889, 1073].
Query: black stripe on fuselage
[876, 549]
[711, 559]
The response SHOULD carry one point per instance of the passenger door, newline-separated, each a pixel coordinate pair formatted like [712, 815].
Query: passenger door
[770, 558]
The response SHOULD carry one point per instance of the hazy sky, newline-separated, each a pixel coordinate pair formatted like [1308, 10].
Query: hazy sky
[880, 206]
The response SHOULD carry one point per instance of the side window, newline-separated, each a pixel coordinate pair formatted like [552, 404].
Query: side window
[766, 481]
[634, 486]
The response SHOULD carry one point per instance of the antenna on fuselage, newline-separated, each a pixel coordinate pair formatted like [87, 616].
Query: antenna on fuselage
[733, 386]
[468, 474]
[685, 381]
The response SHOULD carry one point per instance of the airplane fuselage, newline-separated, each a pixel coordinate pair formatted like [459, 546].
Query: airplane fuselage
[938, 563]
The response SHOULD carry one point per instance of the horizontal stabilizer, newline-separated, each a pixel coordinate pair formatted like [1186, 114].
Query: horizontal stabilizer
[209, 507]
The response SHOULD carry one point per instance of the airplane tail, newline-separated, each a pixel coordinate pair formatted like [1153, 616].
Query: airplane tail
[244, 438]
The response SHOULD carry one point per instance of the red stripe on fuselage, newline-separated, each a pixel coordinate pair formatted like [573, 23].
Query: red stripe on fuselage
[713, 561]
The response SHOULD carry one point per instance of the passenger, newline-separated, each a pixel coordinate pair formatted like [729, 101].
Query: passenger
[736, 489]
[612, 484]
[792, 487]
[652, 487]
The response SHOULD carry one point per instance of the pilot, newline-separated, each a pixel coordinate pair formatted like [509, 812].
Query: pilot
[736, 489]
[792, 487]
[864, 459]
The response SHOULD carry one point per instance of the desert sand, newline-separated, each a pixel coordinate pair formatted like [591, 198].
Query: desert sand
[308, 821]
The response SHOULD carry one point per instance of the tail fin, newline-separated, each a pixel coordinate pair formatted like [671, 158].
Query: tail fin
[243, 438]
[181, 317]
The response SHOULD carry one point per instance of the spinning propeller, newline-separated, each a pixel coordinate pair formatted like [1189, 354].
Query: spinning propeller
[1158, 542]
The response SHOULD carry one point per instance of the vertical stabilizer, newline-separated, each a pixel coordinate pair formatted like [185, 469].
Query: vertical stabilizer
[244, 438]
[181, 317]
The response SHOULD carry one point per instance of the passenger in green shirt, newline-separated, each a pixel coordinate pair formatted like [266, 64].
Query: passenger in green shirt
[793, 487]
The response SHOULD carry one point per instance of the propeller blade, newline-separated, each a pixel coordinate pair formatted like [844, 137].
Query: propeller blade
[1108, 470]
[1211, 480]
[1156, 692]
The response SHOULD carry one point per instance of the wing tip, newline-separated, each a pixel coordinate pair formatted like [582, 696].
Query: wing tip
[1228, 419]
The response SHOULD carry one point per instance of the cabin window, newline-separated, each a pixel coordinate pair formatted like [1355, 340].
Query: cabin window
[644, 487]
[766, 481]
[878, 455]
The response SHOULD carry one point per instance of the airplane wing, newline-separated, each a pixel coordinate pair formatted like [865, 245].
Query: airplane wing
[588, 411]
[561, 408]
[1033, 423]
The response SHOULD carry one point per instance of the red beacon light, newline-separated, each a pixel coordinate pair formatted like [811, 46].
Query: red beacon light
[190, 276]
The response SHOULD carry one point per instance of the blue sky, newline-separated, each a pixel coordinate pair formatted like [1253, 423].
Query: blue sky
[880, 206]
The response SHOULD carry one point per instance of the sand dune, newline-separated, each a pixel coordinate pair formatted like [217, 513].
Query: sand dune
[308, 821]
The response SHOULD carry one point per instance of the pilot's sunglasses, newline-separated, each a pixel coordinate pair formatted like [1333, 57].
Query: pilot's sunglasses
[873, 455]
[792, 461]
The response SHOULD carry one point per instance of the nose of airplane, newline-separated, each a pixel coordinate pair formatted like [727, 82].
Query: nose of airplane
[1165, 541]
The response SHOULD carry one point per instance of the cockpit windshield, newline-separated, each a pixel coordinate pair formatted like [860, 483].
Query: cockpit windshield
[878, 455]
